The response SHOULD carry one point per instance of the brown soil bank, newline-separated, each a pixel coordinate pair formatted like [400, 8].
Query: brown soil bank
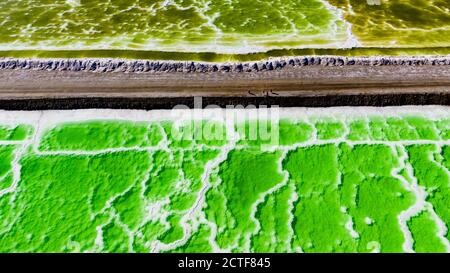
[300, 81]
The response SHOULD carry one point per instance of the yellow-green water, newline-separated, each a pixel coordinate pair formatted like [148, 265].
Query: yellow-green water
[222, 30]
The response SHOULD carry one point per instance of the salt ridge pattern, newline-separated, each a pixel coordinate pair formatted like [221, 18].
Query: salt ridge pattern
[337, 180]
[227, 27]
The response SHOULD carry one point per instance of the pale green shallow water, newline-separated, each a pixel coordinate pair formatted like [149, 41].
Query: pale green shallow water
[171, 29]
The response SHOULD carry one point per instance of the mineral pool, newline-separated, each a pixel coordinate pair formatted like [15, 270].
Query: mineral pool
[279, 180]
[217, 26]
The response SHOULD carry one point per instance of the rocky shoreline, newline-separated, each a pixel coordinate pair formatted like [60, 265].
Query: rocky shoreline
[149, 66]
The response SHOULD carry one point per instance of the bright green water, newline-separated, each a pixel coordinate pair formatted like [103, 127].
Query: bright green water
[66, 27]
[122, 181]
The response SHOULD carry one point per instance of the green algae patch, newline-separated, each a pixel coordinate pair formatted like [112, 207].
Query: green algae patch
[274, 216]
[69, 207]
[244, 182]
[373, 197]
[433, 176]
[358, 130]
[315, 173]
[116, 238]
[292, 132]
[444, 127]
[174, 232]
[330, 130]
[381, 128]
[260, 133]
[197, 243]
[424, 231]
[425, 128]
[15, 133]
[399, 129]
[98, 135]
[6, 160]
[186, 134]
